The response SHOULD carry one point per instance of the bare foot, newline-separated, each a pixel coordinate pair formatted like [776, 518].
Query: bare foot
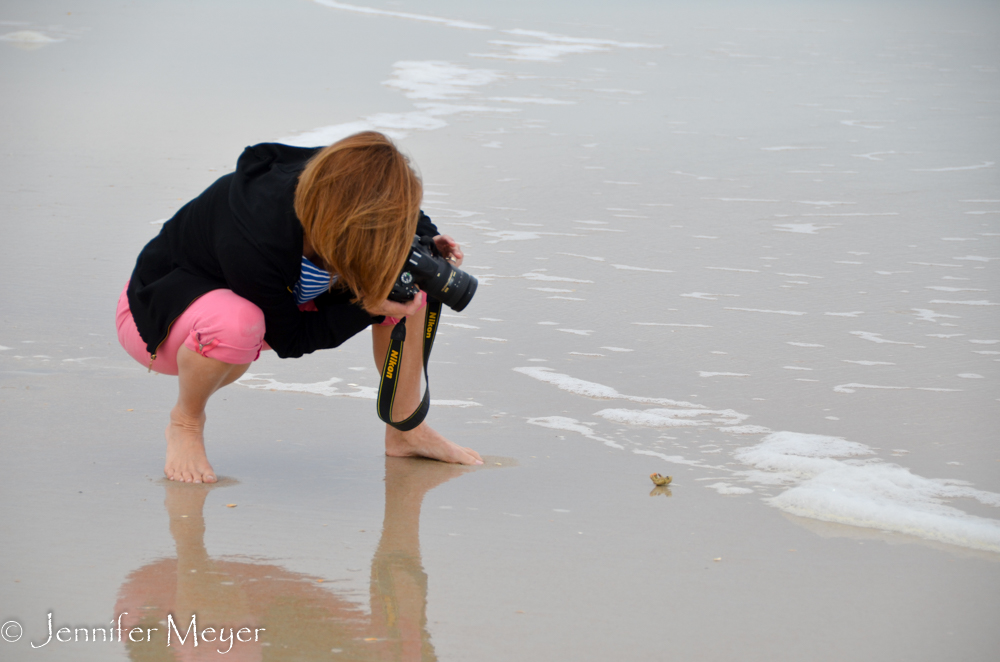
[424, 441]
[186, 459]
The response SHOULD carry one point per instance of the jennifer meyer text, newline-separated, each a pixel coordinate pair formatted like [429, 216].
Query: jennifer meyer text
[223, 637]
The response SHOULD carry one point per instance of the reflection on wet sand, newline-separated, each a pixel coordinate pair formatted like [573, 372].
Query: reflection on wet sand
[661, 490]
[294, 615]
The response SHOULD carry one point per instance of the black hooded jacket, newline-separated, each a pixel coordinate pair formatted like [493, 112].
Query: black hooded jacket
[242, 234]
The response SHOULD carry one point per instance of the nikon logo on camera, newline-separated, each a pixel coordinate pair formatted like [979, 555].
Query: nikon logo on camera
[393, 360]
[431, 319]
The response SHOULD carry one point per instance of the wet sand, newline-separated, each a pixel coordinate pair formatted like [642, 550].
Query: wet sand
[751, 245]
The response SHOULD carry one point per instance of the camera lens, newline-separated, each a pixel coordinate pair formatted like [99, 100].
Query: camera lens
[464, 287]
[449, 285]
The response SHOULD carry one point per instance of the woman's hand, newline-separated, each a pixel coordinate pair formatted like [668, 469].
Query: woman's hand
[450, 249]
[397, 309]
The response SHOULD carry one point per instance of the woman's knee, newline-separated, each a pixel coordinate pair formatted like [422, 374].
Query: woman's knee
[225, 326]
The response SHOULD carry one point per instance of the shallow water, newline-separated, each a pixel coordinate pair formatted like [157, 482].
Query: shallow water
[751, 245]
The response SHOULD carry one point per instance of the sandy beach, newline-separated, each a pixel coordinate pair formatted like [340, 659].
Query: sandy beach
[749, 245]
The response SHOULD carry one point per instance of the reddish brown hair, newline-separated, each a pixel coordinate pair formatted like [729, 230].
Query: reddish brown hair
[358, 201]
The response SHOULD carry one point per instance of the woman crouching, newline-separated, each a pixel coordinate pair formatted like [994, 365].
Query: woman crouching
[296, 251]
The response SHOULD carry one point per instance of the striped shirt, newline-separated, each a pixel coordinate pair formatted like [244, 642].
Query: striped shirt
[313, 281]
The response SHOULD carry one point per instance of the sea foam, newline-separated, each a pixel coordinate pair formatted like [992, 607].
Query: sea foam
[835, 480]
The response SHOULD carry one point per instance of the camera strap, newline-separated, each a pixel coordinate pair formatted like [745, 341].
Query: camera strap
[394, 361]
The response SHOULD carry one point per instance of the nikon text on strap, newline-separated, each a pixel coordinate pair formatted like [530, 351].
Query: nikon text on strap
[393, 363]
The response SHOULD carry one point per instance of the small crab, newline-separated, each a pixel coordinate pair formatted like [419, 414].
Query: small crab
[660, 480]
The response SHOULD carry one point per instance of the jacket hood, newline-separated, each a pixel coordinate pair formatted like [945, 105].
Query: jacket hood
[262, 196]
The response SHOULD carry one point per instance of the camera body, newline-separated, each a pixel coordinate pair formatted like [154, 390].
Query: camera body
[426, 269]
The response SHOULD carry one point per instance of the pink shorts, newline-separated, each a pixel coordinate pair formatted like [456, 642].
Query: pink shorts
[221, 325]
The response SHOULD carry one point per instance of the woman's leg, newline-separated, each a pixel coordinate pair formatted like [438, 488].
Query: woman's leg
[421, 441]
[210, 345]
[198, 378]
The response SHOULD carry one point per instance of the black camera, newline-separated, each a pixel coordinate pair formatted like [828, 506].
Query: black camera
[426, 269]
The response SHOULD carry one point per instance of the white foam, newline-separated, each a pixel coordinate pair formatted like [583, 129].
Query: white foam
[550, 289]
[585, 354]
[522, 235]
[491, 339]
[563, 39]
[969, 375]
[927, 315]
[743, 199]
[871, 155]
[726, 488]
[877, 338]
[327, 135]
[670, 418]
[431, 81]
[984, 342]
[851, 388]
[867, 362]
[853, 213]
[802, 228]
[537, 276]
[571, 425]
[4, 348]
[748, 271]
[538, 100]
[610, 349]
[447, 22]
[981, 302]
[707, 296]
[261, 382]
[867, 124]
[595, 390]
[628, 268]
[773, 312]
[795, 367]
[674, 459]
[585, 257]
[804, 344]
[745, 429]
[702, 373]
[976, 258]
[579, 332]
[29, 37]
[695, 326]
[984, 164]
[555, 46]
[535, 52]
[786, 148]
[830, 482]
[459, 325]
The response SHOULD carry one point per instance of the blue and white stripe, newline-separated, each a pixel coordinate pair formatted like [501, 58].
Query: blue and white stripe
[313, 281]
